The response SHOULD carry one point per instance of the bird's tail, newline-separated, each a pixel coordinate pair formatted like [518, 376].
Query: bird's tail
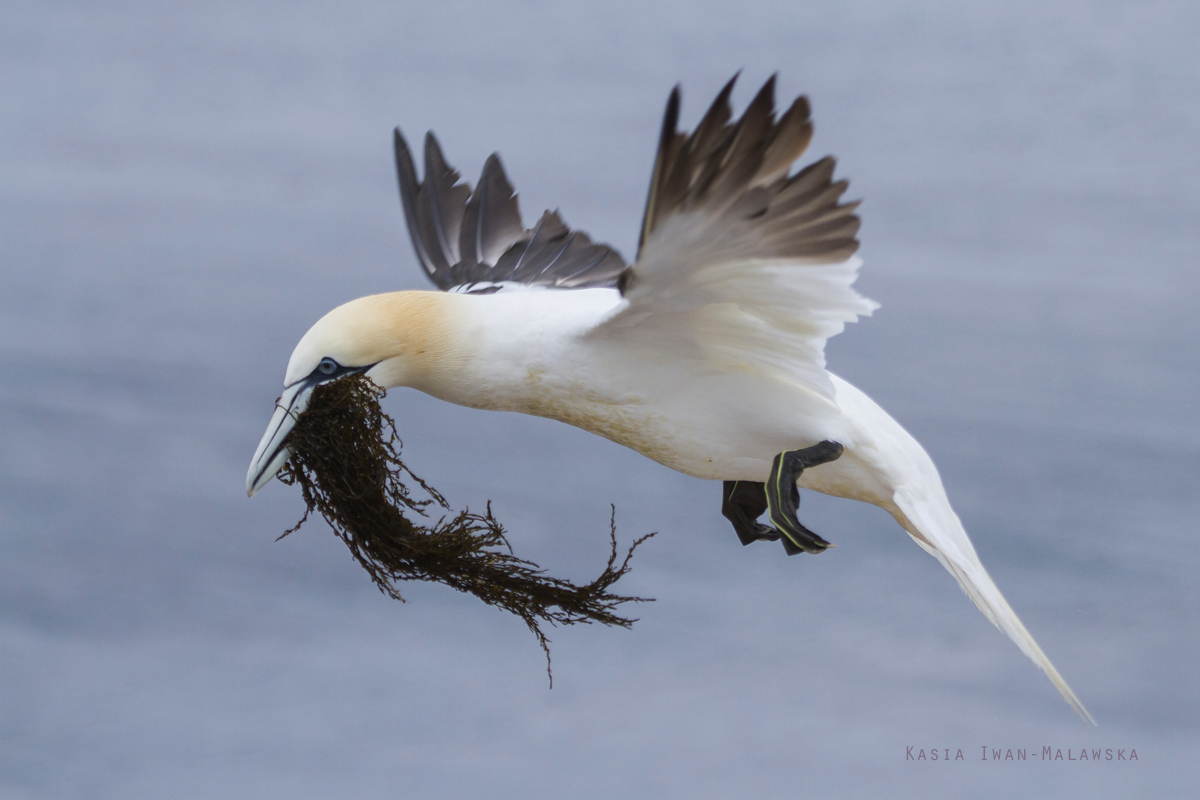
[927, 516]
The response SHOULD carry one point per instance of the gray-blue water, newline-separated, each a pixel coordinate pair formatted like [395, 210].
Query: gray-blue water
[184, 189]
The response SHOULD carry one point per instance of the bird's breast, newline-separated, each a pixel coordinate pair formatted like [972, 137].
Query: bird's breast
[625, 417]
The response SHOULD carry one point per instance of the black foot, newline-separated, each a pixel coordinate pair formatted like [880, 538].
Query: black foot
[783, 498]
[743, 502]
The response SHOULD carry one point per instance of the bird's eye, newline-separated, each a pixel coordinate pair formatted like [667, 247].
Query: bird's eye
[327, 366]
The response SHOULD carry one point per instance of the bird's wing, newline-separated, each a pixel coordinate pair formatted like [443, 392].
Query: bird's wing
[474, 241]
[739, 261]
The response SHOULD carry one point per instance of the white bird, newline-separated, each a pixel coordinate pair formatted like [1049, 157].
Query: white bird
[706, 355]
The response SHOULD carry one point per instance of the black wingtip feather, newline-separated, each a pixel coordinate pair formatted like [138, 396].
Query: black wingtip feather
[658, 178]
[406, 177]
[440, 206]
[740, 169]
[708, 132]
[767, 93]
[492, 220]
[446, 218]
[670, 118]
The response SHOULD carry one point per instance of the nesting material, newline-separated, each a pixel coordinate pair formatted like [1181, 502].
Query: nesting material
[346, 461]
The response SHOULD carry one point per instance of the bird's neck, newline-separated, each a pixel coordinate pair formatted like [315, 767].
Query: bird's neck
[412, 337]
[500, 351]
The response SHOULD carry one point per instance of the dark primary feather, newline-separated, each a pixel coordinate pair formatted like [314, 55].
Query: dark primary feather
[492, 222]
[476, 239]
[737, 172]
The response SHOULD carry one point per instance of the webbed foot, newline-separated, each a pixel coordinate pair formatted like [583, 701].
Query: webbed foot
[742, 503]
[783, 497]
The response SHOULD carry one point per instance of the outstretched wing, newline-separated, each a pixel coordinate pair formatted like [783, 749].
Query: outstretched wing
[474, 241]
[740, 262]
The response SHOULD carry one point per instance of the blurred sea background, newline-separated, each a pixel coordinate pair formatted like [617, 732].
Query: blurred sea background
[184, 189]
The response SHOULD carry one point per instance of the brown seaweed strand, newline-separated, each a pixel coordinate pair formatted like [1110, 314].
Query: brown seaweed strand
[347, 464]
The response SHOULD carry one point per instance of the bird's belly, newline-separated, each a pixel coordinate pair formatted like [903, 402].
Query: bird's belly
[650, 431]
[698, 433]
[693, 429]
[715, 426]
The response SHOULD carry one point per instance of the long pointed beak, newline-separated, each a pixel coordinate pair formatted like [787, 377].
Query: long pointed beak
[272, 453]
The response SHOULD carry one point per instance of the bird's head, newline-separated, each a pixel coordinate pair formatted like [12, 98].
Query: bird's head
[392, 338]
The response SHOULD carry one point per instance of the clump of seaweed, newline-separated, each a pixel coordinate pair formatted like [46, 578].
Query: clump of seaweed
[345, 458]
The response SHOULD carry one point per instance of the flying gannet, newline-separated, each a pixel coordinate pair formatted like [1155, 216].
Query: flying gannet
[706, 355]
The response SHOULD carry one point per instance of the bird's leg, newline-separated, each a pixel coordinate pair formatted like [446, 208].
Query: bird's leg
[743, 502]
[783, 498]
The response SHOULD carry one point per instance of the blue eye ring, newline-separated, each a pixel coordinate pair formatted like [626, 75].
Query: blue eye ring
[327, 367]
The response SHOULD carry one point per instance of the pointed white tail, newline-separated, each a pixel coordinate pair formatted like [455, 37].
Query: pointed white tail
[930, 521]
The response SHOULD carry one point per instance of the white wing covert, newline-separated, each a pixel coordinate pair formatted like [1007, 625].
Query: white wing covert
[740, 263]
